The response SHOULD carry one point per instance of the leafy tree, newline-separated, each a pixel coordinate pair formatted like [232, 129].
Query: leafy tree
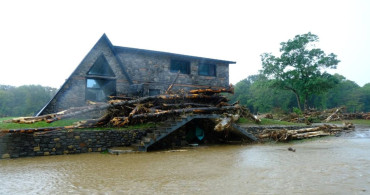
[254, 93]
[23, 100]
[364, 96]
[298, 69]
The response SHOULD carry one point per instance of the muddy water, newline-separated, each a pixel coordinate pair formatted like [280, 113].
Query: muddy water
[334, 165]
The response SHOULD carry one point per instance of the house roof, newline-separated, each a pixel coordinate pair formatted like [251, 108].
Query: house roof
[130, 49]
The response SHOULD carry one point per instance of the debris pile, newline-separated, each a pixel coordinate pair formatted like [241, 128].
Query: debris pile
[286, 135]
[335, 114]
[123, 111]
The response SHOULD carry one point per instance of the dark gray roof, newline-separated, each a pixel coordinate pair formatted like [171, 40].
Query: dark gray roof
[130, 49]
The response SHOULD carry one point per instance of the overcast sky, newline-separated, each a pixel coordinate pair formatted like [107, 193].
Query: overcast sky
[42, 42]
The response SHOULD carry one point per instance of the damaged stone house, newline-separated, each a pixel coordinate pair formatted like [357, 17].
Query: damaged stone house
[109, 70]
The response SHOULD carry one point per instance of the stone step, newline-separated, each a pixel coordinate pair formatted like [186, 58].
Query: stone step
[168, 123]
[140, 142]
[150, 135]
[146, 139]
[121, 150]
[138, 147]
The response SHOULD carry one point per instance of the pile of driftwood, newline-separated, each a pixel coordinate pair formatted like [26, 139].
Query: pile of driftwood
[286, 135]
[123, 111]
[335, 114]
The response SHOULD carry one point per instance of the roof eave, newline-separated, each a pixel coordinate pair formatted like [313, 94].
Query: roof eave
[118, 48]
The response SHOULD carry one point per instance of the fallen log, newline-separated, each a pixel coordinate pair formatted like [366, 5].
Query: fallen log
[226, 122]
[30, 120]
[183, 105]
[82, 110]
[173, 82]
[119, 121]
[213, 91]
[33, 130]
[284, 134]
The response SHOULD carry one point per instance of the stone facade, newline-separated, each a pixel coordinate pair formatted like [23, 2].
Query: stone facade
[153, 71]
[135, 72]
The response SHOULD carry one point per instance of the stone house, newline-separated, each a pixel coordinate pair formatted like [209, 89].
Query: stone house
[114, 70]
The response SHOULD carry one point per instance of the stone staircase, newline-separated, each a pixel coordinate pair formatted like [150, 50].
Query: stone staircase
[244, 132]
[168, 127]
[172, 125]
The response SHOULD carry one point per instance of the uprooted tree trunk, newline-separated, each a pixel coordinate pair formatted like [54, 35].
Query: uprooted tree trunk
[334, 113]
[284, 134]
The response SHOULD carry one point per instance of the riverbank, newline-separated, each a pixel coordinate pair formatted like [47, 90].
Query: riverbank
[75, 141]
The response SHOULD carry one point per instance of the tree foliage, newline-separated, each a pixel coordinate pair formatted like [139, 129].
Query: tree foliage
[298, 69]
[255, 93]
[23, 100]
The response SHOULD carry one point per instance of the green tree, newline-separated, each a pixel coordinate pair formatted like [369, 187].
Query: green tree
[23, 100]
[298, 69]
[366, 97]
[253, 92]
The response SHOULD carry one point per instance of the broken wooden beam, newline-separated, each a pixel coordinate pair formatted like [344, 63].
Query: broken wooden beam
[120, 121]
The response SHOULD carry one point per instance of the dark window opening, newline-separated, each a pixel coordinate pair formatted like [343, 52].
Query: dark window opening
[207, 69]
[154, 92]
[180, 65]
[99, 89]
[101, 68]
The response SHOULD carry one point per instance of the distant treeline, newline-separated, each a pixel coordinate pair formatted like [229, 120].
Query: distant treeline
[25, 100]
[255, 93]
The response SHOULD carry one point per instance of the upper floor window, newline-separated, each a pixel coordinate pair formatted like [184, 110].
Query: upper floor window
[207, 69]
[101, 68]
[180, 65]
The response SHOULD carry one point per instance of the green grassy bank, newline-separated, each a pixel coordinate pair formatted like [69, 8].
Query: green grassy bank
[265, 121]
[61, 123]
[355, 122]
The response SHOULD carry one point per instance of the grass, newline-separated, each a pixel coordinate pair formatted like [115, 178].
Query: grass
[265, 121]
[64, 122]
[355, 122]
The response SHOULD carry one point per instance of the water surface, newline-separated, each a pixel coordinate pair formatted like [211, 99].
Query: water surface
[332, 165]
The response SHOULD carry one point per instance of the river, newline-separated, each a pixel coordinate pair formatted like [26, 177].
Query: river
[330, 165]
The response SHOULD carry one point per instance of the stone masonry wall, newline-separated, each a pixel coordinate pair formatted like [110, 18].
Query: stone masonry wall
[63, 142]
[153, 71]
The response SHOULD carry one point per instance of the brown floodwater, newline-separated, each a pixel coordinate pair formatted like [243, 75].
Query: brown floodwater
[331, 165]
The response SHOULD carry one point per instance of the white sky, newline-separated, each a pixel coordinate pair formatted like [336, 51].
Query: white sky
[42, 42]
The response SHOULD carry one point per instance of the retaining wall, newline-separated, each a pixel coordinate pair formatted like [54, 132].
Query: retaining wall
[63, 142]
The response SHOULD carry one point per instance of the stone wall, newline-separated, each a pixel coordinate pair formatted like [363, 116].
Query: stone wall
[63, 142]
[153, 71]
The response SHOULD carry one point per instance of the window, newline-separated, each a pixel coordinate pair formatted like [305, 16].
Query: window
[207, 69]
[154, 92]
[99, 89]
[180, 65]
[101, 68]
